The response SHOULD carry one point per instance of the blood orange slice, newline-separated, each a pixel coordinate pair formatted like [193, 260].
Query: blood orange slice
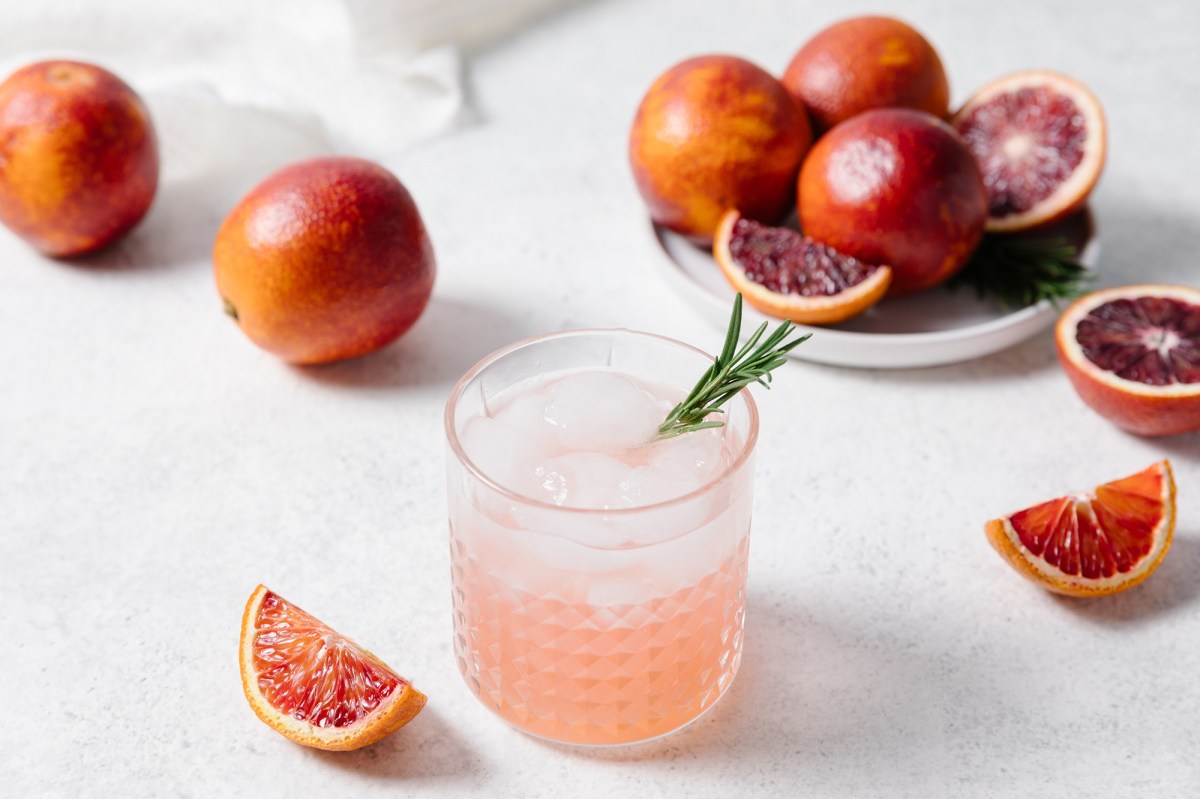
[1133, 354]
[790, 276]
[1093, 544]
[1040, 140]
[315, 686]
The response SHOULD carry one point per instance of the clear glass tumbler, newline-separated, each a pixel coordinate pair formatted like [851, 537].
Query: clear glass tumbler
[597, 627]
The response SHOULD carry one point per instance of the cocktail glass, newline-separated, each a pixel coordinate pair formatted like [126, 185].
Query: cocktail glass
[588, 626]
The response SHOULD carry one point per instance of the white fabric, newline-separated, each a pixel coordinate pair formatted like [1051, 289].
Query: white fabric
[364, 76]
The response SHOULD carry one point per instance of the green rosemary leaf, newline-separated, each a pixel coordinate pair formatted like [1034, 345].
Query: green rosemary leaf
[1021, 271]
[733, 370]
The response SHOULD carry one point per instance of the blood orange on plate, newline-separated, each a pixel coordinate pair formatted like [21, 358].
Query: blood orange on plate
[716, 132]
[864, 63]
[1040, 141]
[1093, 544]
[1133, 355]
[315, 686]
[790, 276]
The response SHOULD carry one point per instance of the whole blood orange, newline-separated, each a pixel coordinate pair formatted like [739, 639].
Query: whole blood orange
[713, 133]
[864, 63]
[790, 276]
[1093, 544]
[1040, 140]
[78, 157]
[314, 685]
[325, 259]
[895, 187]
[1133, 355]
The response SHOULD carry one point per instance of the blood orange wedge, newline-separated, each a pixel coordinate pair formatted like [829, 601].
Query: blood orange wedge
[1040, 140]
[1133, 354]
[791, 276]
[1093, 544]
[315, 686]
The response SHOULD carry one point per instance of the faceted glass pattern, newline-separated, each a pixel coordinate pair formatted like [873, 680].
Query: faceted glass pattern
[597, 674]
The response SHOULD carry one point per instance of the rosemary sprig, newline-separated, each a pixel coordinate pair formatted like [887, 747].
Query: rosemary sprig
[1021, 271]
[733, 370]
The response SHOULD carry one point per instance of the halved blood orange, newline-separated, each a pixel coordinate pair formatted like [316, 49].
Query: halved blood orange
[790, 276]
[1093, 544]
[315, 686]
[1133, 355]
[1039, 138]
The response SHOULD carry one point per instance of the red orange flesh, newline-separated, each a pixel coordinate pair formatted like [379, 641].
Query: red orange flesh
[315, 686]
[1093, 544]
[1132, 353]
[1040, 140]
[790, 276]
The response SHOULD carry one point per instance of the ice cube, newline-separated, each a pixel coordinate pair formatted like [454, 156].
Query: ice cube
[674, 467]
[649, 485]
[515, 456]
[593, 479]
[546, 482]
[578, 534]
[526, 413]
[634, 489]
[489, 445]
[601, 411]
[695, 457]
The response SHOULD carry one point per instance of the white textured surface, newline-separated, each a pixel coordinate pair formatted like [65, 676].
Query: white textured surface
[154, 466]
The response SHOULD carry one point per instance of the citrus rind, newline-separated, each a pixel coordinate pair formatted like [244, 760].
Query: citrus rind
[392, 713]
[1141, 408]
[810, 310]
[1005, 540]
[1069, 344]
[1073, 192]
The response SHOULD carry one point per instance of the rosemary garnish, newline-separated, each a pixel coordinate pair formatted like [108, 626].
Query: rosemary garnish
[733, 370]
[1021, 271]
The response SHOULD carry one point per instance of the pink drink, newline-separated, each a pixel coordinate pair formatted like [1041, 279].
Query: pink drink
[599, 576]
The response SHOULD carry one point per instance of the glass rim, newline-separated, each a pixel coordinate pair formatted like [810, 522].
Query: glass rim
[456, 447]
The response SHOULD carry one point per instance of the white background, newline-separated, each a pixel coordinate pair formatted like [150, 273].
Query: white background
[155, 466]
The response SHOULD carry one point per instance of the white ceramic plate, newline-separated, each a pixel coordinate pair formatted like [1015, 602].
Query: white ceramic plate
[928, 329]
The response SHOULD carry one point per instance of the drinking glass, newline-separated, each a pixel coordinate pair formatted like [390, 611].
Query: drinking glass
[597, 627]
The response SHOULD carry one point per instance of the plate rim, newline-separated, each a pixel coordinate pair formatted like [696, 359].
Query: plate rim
[1088, 257]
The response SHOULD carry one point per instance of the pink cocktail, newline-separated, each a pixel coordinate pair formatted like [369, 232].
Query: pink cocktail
[598, 575]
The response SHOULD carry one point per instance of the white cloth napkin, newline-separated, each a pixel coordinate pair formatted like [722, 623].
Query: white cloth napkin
[370, 76]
